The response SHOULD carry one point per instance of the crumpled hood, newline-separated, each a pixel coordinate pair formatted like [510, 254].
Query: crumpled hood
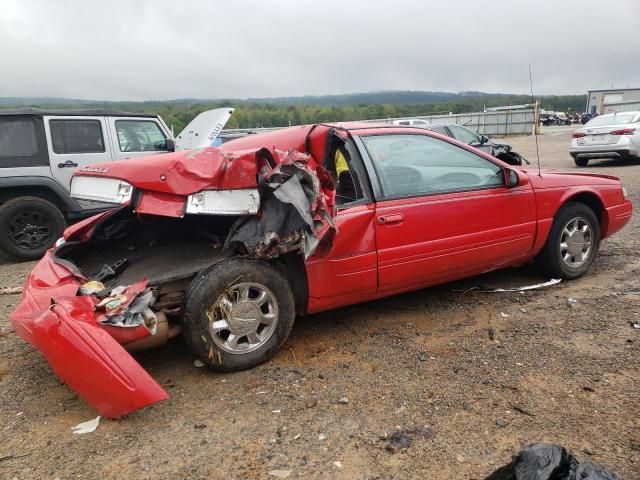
[186, 172]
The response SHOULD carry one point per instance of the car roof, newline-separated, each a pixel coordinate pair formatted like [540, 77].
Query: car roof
[74, 113]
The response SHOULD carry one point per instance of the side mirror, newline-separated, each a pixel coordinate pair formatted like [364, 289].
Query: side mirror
[171, 145]
[483, 139]
[513, 179]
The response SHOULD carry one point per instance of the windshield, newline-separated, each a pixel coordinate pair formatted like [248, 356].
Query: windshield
[616, 119]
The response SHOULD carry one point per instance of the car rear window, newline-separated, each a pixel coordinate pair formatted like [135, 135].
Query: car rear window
[76, 136]
[617, 119]
[18, 138]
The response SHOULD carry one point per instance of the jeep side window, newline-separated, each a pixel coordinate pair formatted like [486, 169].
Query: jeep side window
[140, 136]
[17, 139]
[76, 136]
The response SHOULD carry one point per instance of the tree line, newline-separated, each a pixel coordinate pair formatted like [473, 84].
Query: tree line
[254, 114]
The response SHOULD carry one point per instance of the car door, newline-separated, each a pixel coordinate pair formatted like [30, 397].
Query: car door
[136, 137]
[345, 270]
[74, 142]
[444, 212]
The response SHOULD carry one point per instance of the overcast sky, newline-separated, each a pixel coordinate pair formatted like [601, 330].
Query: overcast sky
[140, 50]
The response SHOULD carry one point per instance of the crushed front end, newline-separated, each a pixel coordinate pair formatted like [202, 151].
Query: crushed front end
[116, 282]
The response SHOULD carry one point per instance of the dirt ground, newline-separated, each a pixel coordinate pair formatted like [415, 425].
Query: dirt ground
[440, 384]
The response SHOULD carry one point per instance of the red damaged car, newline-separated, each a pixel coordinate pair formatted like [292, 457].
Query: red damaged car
[226, 245]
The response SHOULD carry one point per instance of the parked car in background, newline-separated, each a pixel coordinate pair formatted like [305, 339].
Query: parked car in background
[614, 135]
[411, 122]
[226, 245]
[40, 150]
[499, 150]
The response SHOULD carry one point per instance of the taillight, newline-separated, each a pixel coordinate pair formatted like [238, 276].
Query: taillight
[578, 135]
[624, 131]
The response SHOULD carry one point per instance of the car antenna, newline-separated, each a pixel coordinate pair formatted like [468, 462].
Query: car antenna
[536, 121]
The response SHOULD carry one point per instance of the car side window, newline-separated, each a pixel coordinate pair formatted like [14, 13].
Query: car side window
[76, 136]
[464, 135]
[415, 165]
[345, 175]
[17, 138]
[140, 136]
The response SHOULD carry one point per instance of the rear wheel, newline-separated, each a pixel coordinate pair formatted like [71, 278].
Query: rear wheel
[237, 314]
[29, 226]
[572, 244]
[581, 162]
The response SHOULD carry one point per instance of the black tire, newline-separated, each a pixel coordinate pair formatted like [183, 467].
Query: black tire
[29, 226]
[581, 162]
[550, 260]
[211, 285]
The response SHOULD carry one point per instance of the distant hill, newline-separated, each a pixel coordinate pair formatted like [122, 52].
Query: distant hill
[283, 111]
[390, 97]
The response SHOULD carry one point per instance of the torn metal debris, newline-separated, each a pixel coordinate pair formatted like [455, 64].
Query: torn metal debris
[536, 286]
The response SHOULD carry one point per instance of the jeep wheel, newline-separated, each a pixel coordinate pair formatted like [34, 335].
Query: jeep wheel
[29, 226]
[237, 314]
[572, 244]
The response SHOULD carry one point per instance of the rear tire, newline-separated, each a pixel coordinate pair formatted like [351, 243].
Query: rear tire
[572, 244]
[581, 162]
[29, 226]
[237, 314]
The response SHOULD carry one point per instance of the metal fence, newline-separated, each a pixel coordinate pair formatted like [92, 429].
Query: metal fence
[506, 122]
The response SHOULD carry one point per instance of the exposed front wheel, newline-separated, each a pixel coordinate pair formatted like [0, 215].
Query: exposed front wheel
[237, 314]
[29, 226]
[573, 242]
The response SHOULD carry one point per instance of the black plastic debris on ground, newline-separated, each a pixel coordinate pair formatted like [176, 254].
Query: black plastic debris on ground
[546, 461]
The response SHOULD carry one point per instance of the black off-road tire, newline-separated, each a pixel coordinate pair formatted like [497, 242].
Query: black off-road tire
[550, 261]
[207, 287]
[20, 210]
[581, 162]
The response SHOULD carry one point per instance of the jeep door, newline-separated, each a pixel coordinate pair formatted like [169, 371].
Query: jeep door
[74, 142]
[134, 137]
[444, 212]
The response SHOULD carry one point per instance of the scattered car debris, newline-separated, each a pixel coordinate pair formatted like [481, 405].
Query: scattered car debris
[572, 302]
[483, 289]
[337, 464]
[199, 363]
[504, 315]
[86, 427]
[280, 473]
[13, 456]
[10, 290]
[546, 461]
[343, 400]
[403, 439]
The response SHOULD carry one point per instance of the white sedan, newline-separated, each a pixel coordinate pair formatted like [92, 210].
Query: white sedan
[615, 135]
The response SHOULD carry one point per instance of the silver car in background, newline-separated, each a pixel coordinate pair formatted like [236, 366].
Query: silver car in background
[614, 135]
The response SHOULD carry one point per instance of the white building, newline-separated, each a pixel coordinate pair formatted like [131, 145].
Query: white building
[610, 101]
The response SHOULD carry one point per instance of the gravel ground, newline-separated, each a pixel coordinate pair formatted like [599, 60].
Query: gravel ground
[433, 384]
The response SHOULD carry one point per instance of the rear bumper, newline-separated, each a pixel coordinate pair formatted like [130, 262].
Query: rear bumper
[84, 355]
[617, 217]
[623, 148]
